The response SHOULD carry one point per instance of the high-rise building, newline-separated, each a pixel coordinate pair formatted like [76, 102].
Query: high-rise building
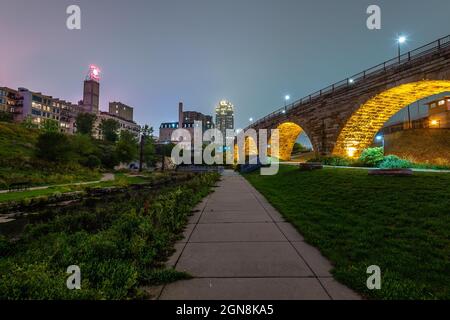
[224, 116]
[121, 110]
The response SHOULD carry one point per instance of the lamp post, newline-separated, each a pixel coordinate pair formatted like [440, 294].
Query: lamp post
[401, 40]
[286, 99]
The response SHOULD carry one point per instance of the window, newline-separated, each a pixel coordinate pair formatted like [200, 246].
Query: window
[442, 102]
[433, 105]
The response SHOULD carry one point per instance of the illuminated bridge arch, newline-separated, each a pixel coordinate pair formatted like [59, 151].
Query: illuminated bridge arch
[288, 135]
[250, 148]
[361, 128]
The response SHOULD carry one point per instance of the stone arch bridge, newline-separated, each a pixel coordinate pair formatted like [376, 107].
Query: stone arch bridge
[344, 118]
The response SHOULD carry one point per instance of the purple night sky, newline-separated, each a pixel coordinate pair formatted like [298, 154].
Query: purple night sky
[155, 53]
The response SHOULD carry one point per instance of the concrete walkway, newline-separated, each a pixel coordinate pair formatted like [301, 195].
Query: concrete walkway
[237, 246]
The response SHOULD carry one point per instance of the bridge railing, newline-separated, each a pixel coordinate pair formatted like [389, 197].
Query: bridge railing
[403, 59]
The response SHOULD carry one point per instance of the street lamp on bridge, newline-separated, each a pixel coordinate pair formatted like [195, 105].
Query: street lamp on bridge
[401, 40]
[286, 99]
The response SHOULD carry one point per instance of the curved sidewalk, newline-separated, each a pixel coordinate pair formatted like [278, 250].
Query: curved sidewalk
[237, 246]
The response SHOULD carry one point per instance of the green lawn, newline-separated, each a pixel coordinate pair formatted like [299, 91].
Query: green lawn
[401, 224]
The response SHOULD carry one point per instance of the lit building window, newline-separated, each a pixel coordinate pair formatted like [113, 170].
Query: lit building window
[442, 102]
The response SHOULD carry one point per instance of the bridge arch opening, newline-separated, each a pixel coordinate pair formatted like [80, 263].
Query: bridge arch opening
[289, 133]
[360, 130]
[250, 148]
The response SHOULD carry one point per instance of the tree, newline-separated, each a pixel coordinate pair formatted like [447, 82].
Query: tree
[147, 148]
[50, 125]
[29, 123]
[126, 147]
[107, 154]
[109, 128]
[6, 116]
[53, 146]
[82, 147]
[85, 123]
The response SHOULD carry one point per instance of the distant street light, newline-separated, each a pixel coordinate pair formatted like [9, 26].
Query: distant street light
[351, 81]
[286, 99]
[401, 40]
[251, 119]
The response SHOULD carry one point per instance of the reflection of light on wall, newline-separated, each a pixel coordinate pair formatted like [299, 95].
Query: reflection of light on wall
[364, 124]
[351, 151]
[434, 123]
[288, 134]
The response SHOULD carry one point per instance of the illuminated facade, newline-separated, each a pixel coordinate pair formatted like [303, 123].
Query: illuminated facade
[121, 110]
[224, 116]
[439, 113]
[11, 102]
[124, 124]
[38, 107]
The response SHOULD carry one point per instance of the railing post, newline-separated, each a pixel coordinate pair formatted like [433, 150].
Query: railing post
[439, 44]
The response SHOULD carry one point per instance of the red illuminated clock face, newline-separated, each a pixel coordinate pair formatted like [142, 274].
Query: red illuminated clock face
[94, 73]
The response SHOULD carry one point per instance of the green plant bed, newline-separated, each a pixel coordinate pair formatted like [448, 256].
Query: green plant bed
[357, 220]
[119, 245]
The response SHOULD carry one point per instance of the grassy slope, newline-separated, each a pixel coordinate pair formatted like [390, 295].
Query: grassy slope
[356, 220]
[17, 163]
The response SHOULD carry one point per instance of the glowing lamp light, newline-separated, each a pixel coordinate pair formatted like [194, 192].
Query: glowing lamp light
[284, 111]
[251, 119]
[351, 152]
[434, 123]
[401, 39]
[379, 138]
[351, 81]
[287, 97]
[94, 72]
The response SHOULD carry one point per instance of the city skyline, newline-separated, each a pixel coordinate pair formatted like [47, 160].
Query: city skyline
[195, 58]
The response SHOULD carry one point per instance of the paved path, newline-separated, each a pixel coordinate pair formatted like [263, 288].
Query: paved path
[237, 246]
[105, 177]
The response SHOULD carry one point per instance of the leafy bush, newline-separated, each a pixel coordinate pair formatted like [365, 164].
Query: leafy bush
[372, 156]
[393, 162]
[53, 146]
[92, 162]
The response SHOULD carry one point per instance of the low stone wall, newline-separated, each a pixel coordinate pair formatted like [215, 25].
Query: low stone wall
[420, 145]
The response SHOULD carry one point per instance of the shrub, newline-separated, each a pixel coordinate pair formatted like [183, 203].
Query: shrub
[53, 146]
[333, 161]
[393, 162]
[118, 245]
[372, 156]
[92, 162]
